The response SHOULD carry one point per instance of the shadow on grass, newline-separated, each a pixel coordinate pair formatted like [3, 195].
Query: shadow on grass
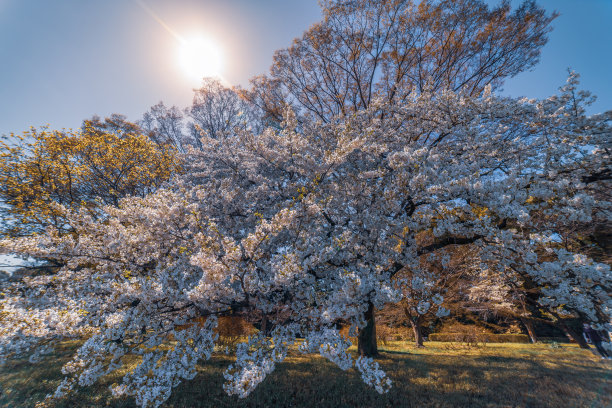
[554, 379]
[399, 352]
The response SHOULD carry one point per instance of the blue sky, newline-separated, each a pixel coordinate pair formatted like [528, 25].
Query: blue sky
[62, 61]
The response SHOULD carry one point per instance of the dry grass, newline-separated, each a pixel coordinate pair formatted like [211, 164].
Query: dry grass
[440, 375]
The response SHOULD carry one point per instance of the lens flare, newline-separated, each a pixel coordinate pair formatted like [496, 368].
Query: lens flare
[200, 57]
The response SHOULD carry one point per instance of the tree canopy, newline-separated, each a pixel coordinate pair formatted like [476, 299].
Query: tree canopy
[43, 173]
[306, 229]
[365, 50]
[391, 167]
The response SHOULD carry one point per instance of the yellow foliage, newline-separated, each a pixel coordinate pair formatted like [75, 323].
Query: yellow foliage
[76, 169]
[479, 211]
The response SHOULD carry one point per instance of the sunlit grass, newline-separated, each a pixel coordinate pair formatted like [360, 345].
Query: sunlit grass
[439, 375]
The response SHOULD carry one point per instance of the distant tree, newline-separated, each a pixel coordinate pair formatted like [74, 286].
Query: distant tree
[368, 49]
[218, 110]
[592, 237]
[116, 124]
[45, 173]
[429, 289]
[518, 292]
[269, 97]
[514, 294]
[166, 126]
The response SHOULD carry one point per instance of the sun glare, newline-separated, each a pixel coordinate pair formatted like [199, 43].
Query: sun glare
[200, 57]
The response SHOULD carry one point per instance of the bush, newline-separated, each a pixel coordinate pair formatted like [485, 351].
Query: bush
[553, 340]
[232, 329]
[458, 332]
[385, 334]
[476, 337]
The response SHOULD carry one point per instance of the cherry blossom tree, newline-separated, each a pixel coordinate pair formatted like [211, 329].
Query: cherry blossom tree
[364, 52]
[302, 228]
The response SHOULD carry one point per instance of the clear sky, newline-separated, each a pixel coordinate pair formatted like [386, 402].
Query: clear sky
[62, 61]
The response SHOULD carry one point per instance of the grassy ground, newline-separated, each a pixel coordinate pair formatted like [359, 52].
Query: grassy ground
[440, 375]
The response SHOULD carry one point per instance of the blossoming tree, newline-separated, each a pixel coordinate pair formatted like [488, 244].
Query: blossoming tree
[302, 228]
[88, 168]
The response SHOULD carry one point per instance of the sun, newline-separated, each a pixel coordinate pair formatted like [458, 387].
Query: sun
[200, 57]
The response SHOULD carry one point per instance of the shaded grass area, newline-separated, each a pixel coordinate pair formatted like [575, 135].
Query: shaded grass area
[440, 375]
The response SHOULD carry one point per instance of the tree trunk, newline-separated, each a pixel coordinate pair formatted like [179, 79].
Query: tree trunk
[366, 339]
[264, 325]
[571, 333]
[528, 323]
[416, 328]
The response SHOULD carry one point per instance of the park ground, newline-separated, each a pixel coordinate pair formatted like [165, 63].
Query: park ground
[439, 375]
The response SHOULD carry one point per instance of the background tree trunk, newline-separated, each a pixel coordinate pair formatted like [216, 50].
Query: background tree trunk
[416, 328]
[572, 334]
[366, 339]
[528, 323]
[264, 325]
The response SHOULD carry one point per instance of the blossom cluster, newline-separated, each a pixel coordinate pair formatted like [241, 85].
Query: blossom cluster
[304, 228]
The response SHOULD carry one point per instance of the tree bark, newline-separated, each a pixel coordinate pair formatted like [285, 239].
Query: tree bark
[571, 333]
[416, 328]
[529, 326]
[366, 338]
[264, 325]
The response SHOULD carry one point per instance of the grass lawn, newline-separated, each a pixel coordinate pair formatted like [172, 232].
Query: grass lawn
[440, 375]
